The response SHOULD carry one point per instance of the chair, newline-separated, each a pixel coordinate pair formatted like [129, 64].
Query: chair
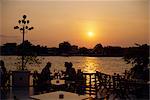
[120, 87]
[104, 85]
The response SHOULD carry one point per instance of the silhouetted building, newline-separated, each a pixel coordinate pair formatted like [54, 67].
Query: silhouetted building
[74, 49]
[8, 49]
[64, 49]
[53, 51]
[113, 51]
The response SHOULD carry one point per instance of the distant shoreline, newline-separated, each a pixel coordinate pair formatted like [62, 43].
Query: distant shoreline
[69, 55]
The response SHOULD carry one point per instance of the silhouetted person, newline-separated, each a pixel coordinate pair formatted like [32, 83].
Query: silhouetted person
[35, 78]
[70, 73]
[15, 98]
[65, 72]
[37, 82]
[1, 76]
[70, 77]
[45, 77]
[80, 82]
[3, 73]
[79, 75]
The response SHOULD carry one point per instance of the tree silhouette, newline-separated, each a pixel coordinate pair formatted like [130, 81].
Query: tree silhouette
[139, 58]
[98, 49]
[65, 47]
[28, 48]
[83, 50]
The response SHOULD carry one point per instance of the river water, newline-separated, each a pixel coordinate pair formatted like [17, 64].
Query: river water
[107, 65]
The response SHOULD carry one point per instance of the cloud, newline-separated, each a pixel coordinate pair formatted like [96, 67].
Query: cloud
[8, 39]
[6, 36]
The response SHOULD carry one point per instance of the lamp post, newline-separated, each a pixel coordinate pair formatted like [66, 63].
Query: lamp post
[23, 27]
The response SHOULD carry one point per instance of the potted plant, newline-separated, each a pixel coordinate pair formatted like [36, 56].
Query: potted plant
[21, 77]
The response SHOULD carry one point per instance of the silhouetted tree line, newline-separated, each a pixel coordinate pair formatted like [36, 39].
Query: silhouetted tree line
[26, 48]
[63, 49]
[138, 56]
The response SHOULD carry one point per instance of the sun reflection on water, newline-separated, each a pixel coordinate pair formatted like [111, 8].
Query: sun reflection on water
[90, 66]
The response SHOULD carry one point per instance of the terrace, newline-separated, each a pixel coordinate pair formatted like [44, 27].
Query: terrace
[94, 86]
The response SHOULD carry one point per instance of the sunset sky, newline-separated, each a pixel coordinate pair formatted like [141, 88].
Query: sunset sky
[81, 22]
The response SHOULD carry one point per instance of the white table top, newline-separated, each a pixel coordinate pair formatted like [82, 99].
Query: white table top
[55, 96]
[58, 82]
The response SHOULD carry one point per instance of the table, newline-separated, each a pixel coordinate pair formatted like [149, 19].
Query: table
[57, 82]
[55, 96]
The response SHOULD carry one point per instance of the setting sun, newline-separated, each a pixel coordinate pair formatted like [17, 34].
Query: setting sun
[90, 34]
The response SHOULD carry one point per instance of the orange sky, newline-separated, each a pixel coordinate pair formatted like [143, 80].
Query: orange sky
[113, 22]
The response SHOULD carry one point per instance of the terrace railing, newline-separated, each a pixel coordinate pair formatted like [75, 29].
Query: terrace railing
[101, 85]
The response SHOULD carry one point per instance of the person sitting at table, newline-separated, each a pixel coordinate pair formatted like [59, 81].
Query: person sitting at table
[70, 76]
[36, 82]
[64, 72]
[70, 73]
[80, 82]
[4, 77]
[45, 78]
[35, 76]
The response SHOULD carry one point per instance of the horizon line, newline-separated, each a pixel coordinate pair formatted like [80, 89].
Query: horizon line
[1, 44]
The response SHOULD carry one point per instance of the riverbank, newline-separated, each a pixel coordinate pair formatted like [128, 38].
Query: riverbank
[70, 55]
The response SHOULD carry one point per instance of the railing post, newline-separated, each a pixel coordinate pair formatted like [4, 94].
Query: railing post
[90, 84]
[95, 86]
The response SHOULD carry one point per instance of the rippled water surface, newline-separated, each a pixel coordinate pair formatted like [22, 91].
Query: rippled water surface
[107, 65]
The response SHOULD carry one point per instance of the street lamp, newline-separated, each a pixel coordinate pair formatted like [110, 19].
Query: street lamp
[23, 27]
